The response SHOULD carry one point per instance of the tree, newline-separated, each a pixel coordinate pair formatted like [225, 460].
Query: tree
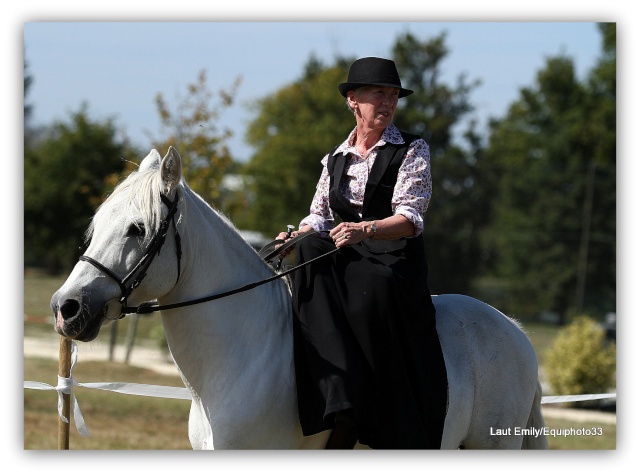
[66, 177]
[29, 132]
[192, 128]
[294, 129]
[596, 274]
[546, 154]
[28, 81]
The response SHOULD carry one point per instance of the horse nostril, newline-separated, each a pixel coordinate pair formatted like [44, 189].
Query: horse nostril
[69, 309]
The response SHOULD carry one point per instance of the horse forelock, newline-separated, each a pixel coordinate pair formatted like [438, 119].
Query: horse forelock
[139, 198]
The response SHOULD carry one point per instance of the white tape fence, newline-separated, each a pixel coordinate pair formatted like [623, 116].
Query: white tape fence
[65, 386]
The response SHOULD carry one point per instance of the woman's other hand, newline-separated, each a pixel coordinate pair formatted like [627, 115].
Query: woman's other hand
[347, 234]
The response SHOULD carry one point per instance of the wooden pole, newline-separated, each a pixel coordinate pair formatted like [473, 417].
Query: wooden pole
[64, 370]
[131, 335]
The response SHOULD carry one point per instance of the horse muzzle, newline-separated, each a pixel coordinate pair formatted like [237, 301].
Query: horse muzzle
[76, 318]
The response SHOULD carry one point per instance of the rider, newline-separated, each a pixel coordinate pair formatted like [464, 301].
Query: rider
[367, 356]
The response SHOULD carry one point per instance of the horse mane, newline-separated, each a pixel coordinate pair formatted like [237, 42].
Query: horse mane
[138, 195]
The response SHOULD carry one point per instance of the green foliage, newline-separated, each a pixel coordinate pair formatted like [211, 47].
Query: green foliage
[580, 361]
[552, 229]
[28, 81]
[192, 127]
[69, 172]
[294, 129]
[66, 177]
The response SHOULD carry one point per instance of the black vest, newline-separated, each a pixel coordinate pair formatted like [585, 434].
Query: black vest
[378, 191]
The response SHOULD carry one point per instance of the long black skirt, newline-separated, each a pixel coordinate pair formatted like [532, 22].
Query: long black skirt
[365, 341]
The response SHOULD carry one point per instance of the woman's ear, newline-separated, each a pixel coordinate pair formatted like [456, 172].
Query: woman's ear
[351, 97]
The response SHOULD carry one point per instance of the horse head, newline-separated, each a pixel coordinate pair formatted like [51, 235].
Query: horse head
[123, 263]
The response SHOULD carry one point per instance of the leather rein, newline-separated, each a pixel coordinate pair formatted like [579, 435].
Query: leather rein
[270, 252]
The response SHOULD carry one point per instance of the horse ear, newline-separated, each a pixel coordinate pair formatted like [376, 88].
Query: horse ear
[151, 161]
[171, 168]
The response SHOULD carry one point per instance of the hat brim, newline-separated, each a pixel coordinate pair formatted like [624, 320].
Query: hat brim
[351, 86]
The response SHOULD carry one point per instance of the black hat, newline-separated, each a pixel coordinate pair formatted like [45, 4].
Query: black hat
[373, 72]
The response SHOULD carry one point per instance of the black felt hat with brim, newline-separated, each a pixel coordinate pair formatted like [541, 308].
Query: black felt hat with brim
[373, 72]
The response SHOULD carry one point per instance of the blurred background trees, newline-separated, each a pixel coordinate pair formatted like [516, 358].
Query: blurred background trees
[522, 216]
[293, 129]
[460, 203]
[192, 126]
[67, 173]
[552, 231]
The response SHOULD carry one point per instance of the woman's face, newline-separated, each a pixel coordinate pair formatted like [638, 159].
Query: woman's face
[374, 105]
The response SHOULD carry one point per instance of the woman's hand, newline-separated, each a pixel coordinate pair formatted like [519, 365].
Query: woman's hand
[285, 236]
[347, 234]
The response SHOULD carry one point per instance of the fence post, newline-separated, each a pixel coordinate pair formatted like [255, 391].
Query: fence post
[64, 370]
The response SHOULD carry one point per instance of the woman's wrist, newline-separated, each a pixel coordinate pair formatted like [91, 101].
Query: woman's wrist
[371, 228]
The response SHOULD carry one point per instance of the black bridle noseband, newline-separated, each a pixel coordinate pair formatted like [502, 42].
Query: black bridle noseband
[129, 283]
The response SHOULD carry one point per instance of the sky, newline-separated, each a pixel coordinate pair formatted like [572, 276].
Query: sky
[117, 68]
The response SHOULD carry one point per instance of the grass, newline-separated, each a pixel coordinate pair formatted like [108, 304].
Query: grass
[38, 317]
[606, 441]
[116, 421]
[38, 289]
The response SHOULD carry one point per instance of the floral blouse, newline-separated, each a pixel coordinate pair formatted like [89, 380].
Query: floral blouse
[411, 194]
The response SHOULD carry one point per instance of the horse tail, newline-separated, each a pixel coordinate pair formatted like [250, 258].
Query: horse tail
[535, 438]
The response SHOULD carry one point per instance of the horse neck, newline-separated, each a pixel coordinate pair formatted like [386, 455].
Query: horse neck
[233, 337]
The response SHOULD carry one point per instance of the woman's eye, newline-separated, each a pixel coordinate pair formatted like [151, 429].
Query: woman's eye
[135, 230]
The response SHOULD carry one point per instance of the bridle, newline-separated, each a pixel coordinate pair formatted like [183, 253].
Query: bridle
[135, 277]
[272, 250]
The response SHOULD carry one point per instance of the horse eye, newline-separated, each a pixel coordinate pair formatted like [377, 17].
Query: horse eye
[135, 230]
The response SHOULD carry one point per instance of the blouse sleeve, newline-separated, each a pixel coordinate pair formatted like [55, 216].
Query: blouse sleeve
[320, 217]
[412, 192]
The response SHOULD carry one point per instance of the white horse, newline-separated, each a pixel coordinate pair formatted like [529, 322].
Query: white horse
[235, 353]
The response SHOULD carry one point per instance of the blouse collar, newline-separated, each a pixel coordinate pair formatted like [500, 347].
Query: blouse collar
[391, 134]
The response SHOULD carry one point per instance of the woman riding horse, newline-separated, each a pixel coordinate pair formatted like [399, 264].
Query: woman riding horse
[367, 356]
